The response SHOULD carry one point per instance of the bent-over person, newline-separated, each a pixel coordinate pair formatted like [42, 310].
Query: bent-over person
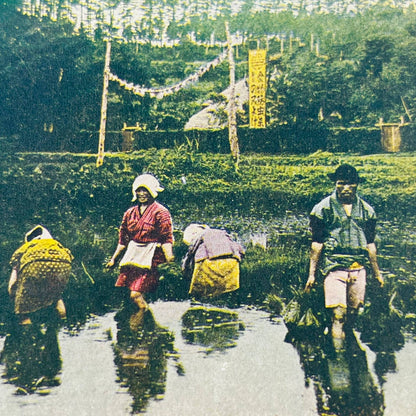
[212, 262]
[40, 272]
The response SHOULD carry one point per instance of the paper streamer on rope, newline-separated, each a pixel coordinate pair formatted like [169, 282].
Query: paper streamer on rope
[164, 91]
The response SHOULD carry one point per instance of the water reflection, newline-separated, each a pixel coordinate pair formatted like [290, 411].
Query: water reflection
[343, 383]
[32, 358]
[212, 328]
[381, 329]
[141, 353]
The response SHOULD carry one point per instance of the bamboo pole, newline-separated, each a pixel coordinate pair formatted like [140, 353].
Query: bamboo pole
[232, 119]
[101, 139]
[406, 109]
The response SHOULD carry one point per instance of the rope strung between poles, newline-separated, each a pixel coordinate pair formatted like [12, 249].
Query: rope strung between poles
[164, 91]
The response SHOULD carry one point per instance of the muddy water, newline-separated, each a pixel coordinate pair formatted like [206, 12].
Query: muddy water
[182, 359]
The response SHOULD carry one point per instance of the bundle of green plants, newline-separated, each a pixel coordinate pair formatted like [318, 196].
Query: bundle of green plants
[381, 323]
[272, 270]
[305, 312]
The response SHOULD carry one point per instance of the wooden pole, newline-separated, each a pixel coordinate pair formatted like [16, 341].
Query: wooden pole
[406, 109]
[232, 119]
[101, 139]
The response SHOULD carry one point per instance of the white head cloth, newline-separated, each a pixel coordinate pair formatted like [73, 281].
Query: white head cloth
[37, 233]
[149, 182]
[193, 232]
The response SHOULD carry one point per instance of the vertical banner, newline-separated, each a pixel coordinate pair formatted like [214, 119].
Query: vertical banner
[257, 88]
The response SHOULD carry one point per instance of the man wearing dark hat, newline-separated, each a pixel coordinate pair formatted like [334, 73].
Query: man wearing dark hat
[343, 232]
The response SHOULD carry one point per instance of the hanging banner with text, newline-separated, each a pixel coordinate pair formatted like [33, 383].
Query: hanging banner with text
[257, 88]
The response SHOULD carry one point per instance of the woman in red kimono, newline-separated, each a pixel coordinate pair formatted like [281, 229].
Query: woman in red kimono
[146, 236]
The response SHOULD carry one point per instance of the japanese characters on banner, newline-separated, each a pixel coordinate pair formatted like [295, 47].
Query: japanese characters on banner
[257, 88]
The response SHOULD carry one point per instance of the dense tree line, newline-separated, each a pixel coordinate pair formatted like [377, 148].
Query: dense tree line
[362, 73]
[337, 69]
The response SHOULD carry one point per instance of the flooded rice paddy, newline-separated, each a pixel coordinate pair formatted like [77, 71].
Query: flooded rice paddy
[180, 358]
[184, 359]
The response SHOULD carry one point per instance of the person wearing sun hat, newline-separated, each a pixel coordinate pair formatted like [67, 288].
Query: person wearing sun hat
[146, 238]
[40, 272]
[343, 234]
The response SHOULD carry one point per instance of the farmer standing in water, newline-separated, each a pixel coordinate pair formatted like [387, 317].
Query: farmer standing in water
[343, 233]
[146, 236]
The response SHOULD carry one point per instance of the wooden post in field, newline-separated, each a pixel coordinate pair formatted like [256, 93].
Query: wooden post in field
[232, 118]
[101, 139]
[391, 138]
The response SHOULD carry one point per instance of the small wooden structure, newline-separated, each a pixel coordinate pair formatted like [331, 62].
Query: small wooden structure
[128, 138]
[391, 139]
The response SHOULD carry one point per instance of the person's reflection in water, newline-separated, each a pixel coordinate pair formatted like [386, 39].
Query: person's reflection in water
[343, 384]
[212, 328]
[381, 329]
[32, 358]
[141, 355]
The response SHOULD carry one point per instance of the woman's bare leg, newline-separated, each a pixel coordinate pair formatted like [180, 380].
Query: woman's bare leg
[138, 299]
[60, 308]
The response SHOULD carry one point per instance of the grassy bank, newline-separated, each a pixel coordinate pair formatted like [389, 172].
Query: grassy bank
[270, 183]
[78, 201]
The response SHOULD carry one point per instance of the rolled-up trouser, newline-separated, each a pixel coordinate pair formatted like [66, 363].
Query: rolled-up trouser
[345, 288]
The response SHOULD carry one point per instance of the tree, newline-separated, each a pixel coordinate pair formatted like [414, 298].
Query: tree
[48, 81]
[377, 51]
